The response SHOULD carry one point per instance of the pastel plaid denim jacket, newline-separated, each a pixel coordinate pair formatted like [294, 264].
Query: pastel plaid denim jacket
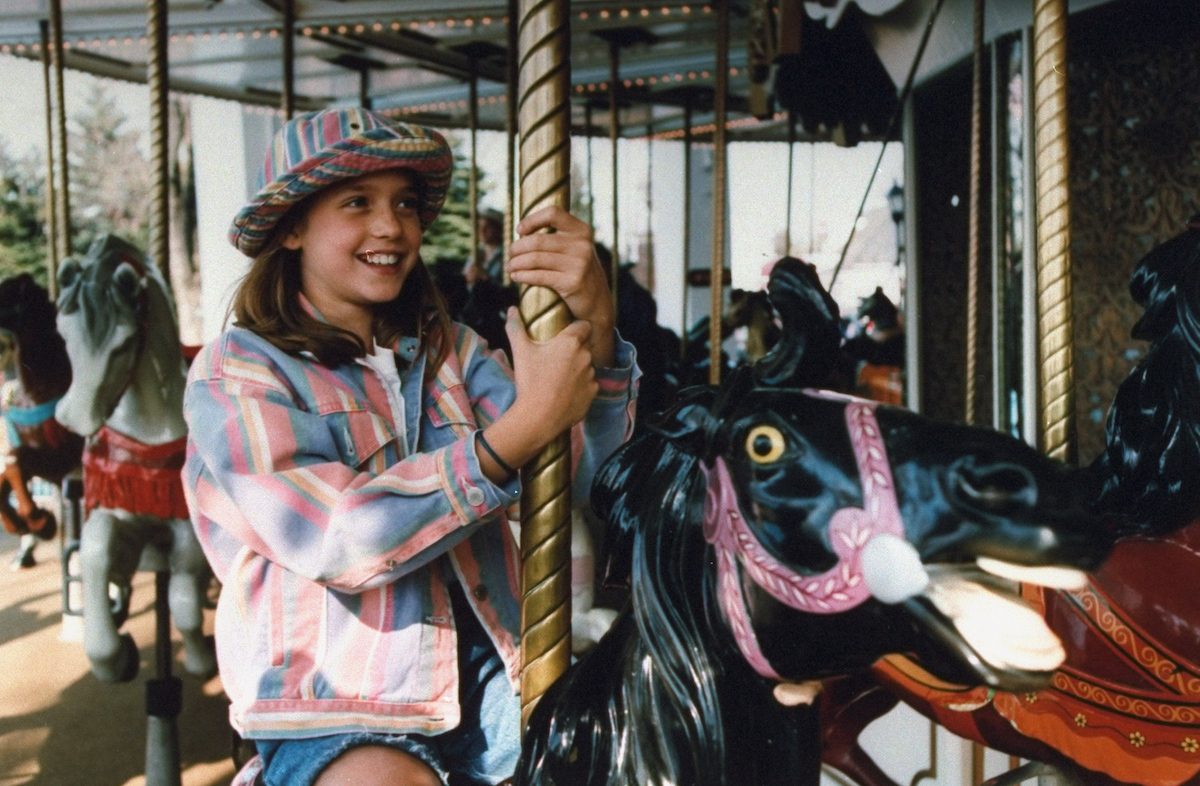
[334, 552]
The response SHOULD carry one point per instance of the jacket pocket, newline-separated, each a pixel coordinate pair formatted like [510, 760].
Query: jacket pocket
[452, 408]
[360, 435]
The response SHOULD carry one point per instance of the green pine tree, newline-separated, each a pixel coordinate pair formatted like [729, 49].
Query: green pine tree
[23, 247]
[449, 237]
[111, 180]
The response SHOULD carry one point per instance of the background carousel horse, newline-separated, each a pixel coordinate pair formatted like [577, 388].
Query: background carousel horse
[772, 534]
[116, 316]
[1125, 706]
[38, 444]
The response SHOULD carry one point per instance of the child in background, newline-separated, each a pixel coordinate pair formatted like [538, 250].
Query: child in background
[351, 457]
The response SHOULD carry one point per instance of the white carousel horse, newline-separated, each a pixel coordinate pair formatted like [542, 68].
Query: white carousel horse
[126, 396]
[830, 11]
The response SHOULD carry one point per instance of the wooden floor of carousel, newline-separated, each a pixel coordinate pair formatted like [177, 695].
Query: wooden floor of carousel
[60, 726]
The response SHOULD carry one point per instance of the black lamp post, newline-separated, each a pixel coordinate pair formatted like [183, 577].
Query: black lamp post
[895, 198]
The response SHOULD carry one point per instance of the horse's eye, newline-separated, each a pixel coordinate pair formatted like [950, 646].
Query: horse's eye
[764, 444]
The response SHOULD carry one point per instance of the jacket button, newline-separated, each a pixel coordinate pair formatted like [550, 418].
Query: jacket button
[474, 496]
[480, 592]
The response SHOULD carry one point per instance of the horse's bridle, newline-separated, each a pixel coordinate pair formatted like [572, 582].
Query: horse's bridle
[838, 589]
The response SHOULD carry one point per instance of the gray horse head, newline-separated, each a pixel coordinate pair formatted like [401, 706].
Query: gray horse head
[107, 314]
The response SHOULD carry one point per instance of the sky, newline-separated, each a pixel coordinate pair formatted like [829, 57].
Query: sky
[827, 184]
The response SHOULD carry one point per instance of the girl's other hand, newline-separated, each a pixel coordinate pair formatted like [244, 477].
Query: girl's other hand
[564, 259]
[555, 379]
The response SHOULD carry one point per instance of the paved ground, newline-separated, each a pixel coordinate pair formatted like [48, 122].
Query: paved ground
[59, 726]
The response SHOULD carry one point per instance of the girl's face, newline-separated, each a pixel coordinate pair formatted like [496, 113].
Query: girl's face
[358, 241]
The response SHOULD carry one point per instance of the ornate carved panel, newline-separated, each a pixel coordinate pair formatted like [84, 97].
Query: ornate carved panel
[943, 130]
[1134, 96]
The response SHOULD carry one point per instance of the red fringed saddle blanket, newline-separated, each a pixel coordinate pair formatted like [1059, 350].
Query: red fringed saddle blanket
[122, 473]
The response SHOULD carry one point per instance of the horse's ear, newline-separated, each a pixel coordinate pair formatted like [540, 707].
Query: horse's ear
[127, 282]
[1162, 277]
[691, 424]
[69, 273]
[807, 349]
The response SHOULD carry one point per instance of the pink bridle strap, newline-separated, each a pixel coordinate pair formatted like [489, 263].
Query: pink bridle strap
[836, 590]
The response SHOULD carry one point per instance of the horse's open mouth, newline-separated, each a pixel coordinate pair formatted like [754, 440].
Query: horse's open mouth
[977, 611]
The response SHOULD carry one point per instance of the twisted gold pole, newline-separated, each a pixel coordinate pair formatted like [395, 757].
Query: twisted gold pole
[1055, 355]
[473, 181]
[717, 272]
[510, 134]
[156, 78]
[62, 210]
[614, 136]
[974, 255]
[51, 213]
[287, 96]
[544, 115]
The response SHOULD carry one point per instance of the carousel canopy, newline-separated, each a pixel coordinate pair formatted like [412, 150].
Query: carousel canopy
[837, 64]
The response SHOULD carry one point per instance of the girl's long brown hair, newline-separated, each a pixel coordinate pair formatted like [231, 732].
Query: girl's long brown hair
[267, 302]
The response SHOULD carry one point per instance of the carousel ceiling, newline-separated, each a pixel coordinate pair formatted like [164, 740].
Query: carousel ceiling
[415, 58]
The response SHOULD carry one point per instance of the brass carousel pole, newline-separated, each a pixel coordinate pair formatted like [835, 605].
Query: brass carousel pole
[791, 143]
[974, 237]
[62, 210]
[156, 79]
[717, 272]
[587, 122]
[544, 114]
[473, 181]
[288, 94]
[614, 134]
[510, 132]
[51, 218]
[687, 218]
[1055, 355]
[163, 692]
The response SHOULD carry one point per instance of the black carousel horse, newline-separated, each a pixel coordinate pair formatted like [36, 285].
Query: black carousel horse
[1125, 705]
[38, 445]
[773, 534]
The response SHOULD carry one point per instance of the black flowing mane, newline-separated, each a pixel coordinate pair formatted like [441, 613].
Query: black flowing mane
[1154, 422]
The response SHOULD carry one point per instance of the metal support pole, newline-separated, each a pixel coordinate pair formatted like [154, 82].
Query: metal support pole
[473, 180]
[787, 232]
[974, 236]
[51, 217]
[288, 94]
[156, 78]
[510, 128]
[1055, 353]
[587, 121]
[544, 116]
[62, 211]
[650, 206]
[717, 271]
[164, 697]
[614, 133]
[687, 219]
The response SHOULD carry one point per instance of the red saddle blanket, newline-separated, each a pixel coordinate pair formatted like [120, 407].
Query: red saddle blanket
[121, 473]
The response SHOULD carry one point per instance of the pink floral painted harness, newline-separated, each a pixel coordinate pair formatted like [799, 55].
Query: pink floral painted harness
[838, 589]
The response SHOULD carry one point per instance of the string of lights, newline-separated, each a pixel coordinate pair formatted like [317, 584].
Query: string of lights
[314, 28]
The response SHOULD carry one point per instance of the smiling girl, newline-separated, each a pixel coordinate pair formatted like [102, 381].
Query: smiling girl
[350, 464]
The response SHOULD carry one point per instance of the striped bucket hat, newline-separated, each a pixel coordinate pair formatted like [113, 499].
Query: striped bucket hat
[317, 149]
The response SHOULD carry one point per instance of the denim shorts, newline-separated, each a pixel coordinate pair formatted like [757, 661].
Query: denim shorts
[482, 750]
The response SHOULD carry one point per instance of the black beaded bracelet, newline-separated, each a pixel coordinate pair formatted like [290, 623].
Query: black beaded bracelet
[503, 464]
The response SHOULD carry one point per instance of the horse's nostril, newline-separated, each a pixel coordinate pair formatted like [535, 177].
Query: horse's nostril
[996, 485]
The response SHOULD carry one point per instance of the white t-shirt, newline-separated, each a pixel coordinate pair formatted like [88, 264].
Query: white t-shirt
[383, 362]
